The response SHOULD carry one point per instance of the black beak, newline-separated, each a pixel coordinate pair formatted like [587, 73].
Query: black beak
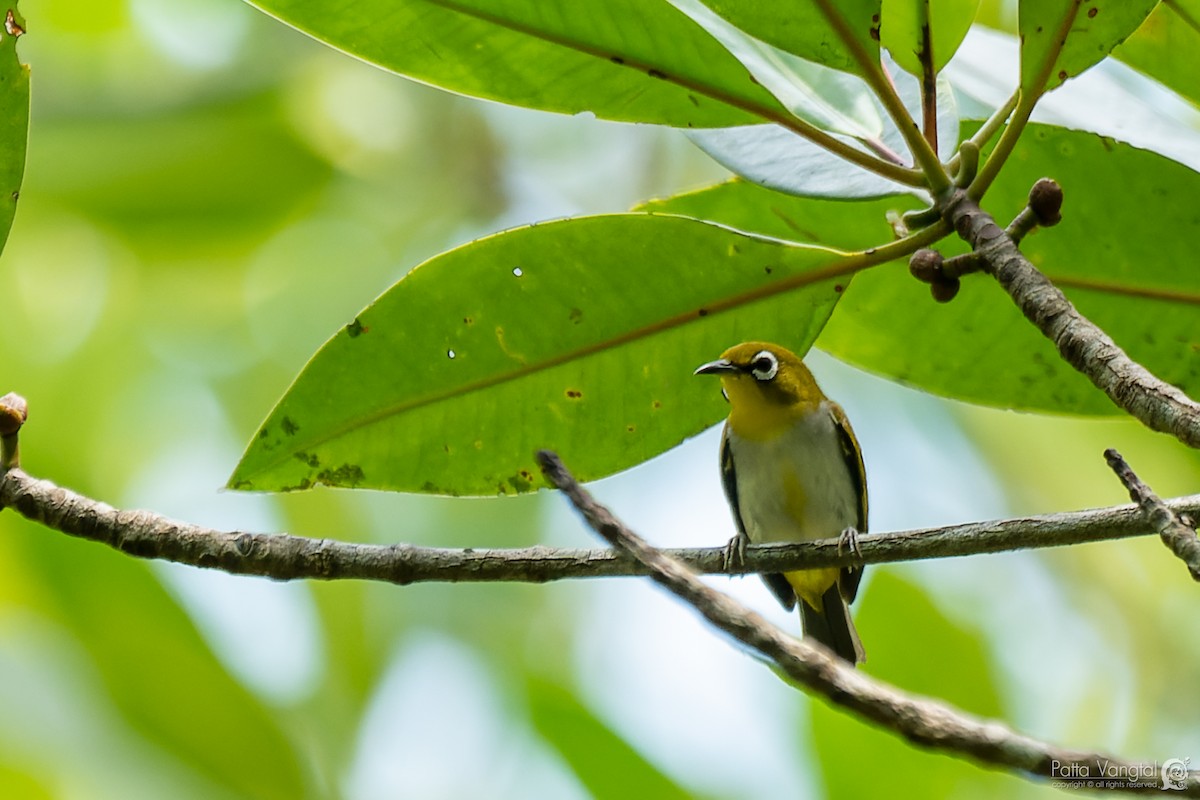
[716, 367]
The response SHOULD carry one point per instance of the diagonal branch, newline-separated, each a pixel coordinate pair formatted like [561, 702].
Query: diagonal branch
[284, 557]
[1155, 403]
[921, 720]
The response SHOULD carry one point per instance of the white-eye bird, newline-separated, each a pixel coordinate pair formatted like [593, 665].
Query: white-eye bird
[793, 472]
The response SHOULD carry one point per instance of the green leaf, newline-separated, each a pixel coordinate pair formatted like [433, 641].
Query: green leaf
[1121, 254]
[823, 31]
[1063, 38]
[909, 26]
[1165, 47]
[579, 335]
[14, 119]
[625, 60]
[606, 765]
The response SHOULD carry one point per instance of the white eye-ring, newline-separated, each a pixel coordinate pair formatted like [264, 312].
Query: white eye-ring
[764, 366]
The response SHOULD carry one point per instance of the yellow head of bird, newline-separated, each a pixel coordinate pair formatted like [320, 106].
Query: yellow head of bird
[761, 378]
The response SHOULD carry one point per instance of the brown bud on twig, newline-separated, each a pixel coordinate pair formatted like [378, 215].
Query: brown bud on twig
[925, 265]
[13, 413]
[944, 289]
[1045, 201]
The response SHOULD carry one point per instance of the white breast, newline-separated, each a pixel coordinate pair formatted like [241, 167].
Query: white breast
[802, 472]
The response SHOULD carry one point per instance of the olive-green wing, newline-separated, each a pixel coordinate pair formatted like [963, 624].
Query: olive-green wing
[775, 580]
[851, 576]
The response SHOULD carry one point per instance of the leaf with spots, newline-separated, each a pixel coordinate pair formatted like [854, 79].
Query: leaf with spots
[624, 60]
[1063, 38]
[1165, 47]
[578, 335]
[14, 118]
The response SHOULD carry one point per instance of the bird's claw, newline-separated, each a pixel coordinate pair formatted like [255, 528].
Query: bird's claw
[848, 541]
[735, 552]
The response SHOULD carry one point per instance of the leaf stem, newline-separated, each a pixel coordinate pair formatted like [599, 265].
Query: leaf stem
[929, 98]
[991, 167]
[936, 178]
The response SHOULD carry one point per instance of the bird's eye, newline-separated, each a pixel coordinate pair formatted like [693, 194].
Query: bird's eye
[764, 366]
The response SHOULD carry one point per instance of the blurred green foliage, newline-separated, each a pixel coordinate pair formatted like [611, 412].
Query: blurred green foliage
[208, 196]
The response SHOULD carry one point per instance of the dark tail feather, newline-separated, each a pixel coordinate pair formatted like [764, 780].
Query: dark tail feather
[833, 626]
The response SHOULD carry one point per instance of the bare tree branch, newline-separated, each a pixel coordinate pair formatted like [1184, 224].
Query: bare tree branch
[146, 534]
[1156, 404]
[1179, 536]
[921, 720]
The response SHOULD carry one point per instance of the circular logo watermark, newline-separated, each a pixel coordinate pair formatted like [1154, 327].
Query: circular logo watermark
[1174, 774]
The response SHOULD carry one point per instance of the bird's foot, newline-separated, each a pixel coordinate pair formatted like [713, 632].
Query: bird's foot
[848, 542]
[735, 552]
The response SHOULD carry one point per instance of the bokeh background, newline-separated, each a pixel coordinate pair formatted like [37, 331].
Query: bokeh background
[209, 196]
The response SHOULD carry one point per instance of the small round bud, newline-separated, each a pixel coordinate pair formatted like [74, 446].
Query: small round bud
[925, 265]
[944, 289]
[13, 413]
[1045, 201]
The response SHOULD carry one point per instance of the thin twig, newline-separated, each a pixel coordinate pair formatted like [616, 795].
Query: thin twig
[285, 557]
[921, 720]
[983, 136]
[1179, 537]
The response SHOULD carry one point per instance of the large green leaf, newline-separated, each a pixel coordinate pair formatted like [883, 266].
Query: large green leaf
[578, 335]
[14, 119]
[626, 60]
[1062, 38]
[1130, 278]
[824, 31]
[912, 26]
[1165, 46]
